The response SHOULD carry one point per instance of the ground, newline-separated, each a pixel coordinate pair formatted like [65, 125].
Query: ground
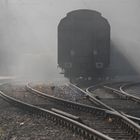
[18, 125]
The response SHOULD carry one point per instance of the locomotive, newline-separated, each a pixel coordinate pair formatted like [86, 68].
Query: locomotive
[83, 44]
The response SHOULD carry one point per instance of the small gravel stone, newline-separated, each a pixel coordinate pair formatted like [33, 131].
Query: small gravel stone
[15, 124]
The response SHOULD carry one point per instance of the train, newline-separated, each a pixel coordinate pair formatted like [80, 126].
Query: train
[83, 44]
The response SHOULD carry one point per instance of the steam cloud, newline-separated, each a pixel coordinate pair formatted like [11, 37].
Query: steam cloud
[28, 35]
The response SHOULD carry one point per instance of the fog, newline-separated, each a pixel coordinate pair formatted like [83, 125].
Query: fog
[28, 35]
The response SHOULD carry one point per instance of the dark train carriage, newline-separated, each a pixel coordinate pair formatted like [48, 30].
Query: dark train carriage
[83, 43]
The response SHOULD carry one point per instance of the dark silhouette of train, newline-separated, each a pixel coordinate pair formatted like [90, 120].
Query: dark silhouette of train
[83, 44]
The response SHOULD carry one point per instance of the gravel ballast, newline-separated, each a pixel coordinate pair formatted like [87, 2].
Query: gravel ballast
[16, 124]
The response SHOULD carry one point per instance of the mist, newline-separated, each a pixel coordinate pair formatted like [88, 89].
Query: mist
[28, 35]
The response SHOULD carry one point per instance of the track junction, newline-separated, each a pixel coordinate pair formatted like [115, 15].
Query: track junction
[91, 122]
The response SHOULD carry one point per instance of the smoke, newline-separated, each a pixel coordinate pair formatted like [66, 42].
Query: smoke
[28, 35]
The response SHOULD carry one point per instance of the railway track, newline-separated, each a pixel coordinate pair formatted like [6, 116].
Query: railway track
[75, 126]
[115, 99]
[78, 96]
[108, 122]
[91, 97]
[134, 90]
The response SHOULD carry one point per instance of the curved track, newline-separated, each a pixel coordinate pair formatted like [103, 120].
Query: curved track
[105, 121]
[73, 125]
[135, 93]
[115, 99]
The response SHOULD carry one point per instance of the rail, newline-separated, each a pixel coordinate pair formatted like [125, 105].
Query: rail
[122, 120]
[75, 126]
[132, 97]
[121, 95]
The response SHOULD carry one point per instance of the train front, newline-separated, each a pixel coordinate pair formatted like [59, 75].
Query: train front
[83, 44]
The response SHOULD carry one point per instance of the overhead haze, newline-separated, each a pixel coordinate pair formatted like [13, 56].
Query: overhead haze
[28, 35]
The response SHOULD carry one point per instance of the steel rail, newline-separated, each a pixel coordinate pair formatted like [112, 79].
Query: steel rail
[121, 95]
[129, 96]
[63, 102]
[92, 98]
[135, 119]
[75, 126]
[88, 93]
[124, 94]
[120, 119]
[71, 86]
